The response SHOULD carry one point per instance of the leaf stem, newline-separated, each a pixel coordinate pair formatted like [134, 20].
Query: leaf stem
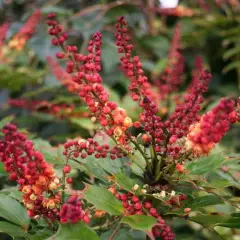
[115, 232]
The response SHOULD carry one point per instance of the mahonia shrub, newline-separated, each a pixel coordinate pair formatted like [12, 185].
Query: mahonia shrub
[148, 170]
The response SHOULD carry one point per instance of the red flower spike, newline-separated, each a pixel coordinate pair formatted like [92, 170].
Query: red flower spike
[173, 74]
[59, 110]
[34, 175]
[26, 32]
[210, 129]
[85, 72]
[186, 113]
[131, 65]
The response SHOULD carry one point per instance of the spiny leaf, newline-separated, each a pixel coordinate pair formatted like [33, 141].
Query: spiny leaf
[140, 222]
[103, 200]
[74, 232]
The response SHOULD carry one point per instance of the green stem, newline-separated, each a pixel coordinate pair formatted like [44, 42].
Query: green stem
[115, 232]
[64, 180]
[142, 153]
[155, 159]
[158, 172]
[126, 152]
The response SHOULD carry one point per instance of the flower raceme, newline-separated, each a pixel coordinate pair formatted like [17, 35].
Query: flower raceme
[173, 74]
[164, 136]
[85, 72]
[37, 181]
[198, 68]
[36, 178]
[59, 110]
[3, 33]
[186, 113]
[19, 40]
[131, 65]
[212, 126]
[62, 76]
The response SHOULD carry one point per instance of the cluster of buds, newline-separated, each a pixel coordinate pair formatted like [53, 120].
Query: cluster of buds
[72, 211]
[179, 11]
[59, 110]
[186, 113]
[83, 148]
[36, 178]
[20, 39]
[134, 206]
[173, 74]
[85, 72]
[62, 76]
[152, 123]
[210, 129]
[198, 68]
[235, 115]
[131, 65]
[221, 3]
[3, 33]
[202, 4]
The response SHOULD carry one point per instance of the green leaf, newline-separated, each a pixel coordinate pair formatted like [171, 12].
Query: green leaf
[11, 229]
[122, 234]
[50, 153]
[138, 161]
[197, 203]
[208, 220]
[12, 192]
[110, 60]
[74, 232]
[140, 222]
[55, 9]
[6, 120]
[217, 220]
[84, 123]
[93, 168]
[231, 52]
[110, 166]
[206, 164]
[231, 66]
[159, 67]
[158, 44]
[13, 211]
[204, 201]
[103, 200]
[41, 234]
[124, 181]
[230, 223]
[8, 76]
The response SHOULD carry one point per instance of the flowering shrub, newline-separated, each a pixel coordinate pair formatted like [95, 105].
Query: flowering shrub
[149, 170]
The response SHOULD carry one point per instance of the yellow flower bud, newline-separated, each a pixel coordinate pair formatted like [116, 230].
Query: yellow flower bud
[33, 197]
[26, 189]
[135, 187]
